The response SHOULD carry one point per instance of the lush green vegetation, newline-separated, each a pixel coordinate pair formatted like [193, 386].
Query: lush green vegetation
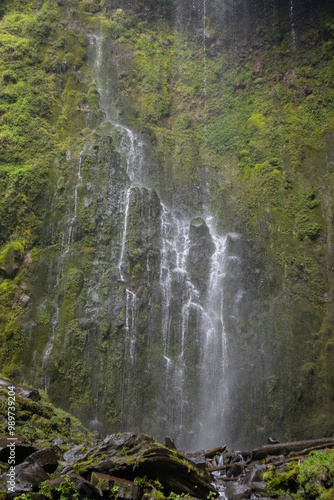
[40, 422]
[312, 479]
[254, 124]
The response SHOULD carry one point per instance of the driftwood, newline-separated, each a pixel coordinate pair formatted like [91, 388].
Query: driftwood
[286, 448]
[212, 453]
[313, 448]
[297, 450]
[221, 467]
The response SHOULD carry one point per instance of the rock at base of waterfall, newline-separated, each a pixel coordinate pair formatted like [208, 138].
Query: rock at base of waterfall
[29, 475]
[126, 490]
[131, 455]
[169, 443]
[83, 487]
[198, 458]
[45, 458]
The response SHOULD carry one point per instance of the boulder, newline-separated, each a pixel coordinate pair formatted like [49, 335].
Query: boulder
[29, 476]
[24, 391]
[82, 486]
[237, 491]
[129, 455]
[22, 451]
[197, 458]
[126, 490]
[45, 458]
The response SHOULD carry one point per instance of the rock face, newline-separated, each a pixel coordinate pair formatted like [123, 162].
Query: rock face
[166, 241]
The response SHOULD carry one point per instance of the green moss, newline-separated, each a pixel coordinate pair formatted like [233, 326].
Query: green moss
[312, 479]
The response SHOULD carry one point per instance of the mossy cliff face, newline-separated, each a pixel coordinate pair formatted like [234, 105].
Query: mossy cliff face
[138, 144]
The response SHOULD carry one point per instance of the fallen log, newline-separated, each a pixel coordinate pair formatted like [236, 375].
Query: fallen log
[314, 448]
[286, 461]
[221, 467]
[212, 453]
[286, 448]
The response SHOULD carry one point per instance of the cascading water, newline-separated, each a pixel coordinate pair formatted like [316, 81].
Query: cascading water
[193, 327]
[157, 288]
[192, 316]
[293, 30]
[74, 216]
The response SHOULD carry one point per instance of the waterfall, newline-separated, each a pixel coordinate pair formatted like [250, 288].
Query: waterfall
[153, 299]
[128, 388]
[192, 391]
[125, 230]
[293, 30]
[49, 345]
[74, 216]
[193, 315]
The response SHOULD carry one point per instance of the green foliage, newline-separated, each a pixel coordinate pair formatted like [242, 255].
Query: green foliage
[68, 490]
[114, 491]
[141, 481]
[44, 489]
[11, 253]
[46, 422]
[313, 479]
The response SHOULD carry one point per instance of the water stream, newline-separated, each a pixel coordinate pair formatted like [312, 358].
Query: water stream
[187, 346]
[192, 315]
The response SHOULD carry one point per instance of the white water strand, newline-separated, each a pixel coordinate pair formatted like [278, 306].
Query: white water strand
[214, 386]
[130, 146]
[293, 31]
[125, 231]
[49, 346]
[73, 219]
[55, 318]
[130, 323]
[128, 396]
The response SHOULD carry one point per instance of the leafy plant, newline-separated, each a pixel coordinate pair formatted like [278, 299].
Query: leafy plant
[67, 489]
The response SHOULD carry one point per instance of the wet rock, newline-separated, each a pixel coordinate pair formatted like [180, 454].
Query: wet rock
[58, 441]
[259, 487]
[24, 298]
[22, 390]
[27, 259]
[235, 470]
[74, 454]
[30, 475]
[236, 491]
[169, 443]
[130, 455]
[83, 487]
[255, 473]
[46, 458]
[22, 451]
[126, 490]
[201, 249]
[197, 458]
